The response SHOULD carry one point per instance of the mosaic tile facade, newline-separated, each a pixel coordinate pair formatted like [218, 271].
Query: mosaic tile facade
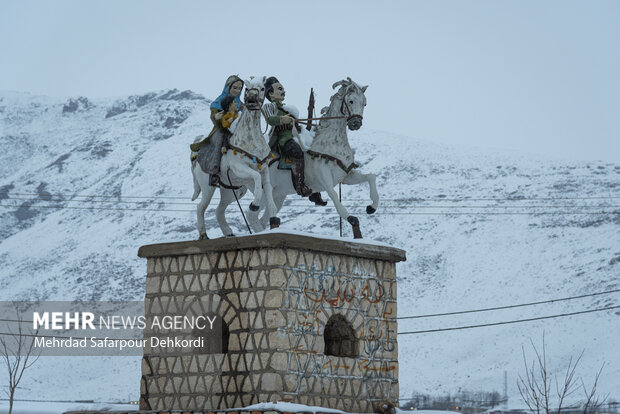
[276, 299]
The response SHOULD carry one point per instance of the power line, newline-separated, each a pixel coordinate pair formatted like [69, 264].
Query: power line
[437, 198]
[509, 306]
[102, 208]
[73, 401]
[16, 320]
[399, 333]
[94, 196]
[508, 322]
[382, 213]
[502, 198]
[457, 312]
[305, 203]
[65, 337]
[50, 199]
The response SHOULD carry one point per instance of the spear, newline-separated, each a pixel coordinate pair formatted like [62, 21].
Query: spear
[310, 108]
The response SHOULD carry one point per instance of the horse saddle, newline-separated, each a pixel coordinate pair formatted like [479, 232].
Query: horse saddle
[284, 163]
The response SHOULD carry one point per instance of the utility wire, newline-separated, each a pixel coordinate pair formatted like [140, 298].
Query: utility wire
[16, 320]
[67, 337]
[73, 401]
[509, 306]
[382, 213]
[458, 312]
[509, 322]
[414, 199]
[304, 204]
[102, 208]
[402, 333]
[51, 200]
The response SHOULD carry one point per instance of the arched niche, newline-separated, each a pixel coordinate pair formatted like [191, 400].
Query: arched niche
[340, 339]
[214, 340]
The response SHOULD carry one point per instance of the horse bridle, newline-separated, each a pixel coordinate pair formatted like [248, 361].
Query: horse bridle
[344, 104]
[260, 106]
[351, 116]
[257, 96]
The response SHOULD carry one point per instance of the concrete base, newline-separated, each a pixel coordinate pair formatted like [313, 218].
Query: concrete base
[276, 293]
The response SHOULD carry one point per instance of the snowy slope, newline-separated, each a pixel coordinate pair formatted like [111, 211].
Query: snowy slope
[72, 246]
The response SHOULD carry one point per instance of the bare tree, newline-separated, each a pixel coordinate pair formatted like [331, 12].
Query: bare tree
[535, 386]
[570, 385]
[593, 402]
[18, 352]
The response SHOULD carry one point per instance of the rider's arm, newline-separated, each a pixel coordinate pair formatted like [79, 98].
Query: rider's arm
[277, 120]
[215, 121]
[274, 120]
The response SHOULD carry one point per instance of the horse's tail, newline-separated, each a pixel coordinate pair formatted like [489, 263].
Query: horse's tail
[194, 162]
[196, 185]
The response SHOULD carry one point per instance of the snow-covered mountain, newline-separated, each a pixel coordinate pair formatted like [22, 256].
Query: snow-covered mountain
[84, 183]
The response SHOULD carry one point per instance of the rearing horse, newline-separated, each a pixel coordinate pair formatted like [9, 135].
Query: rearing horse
[330, 159]
[241, 166]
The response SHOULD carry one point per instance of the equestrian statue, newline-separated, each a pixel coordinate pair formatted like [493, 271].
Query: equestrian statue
[327, 162]
[243, 164]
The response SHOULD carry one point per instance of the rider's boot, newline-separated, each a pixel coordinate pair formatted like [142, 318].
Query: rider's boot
[214, 180]
[317, 199]
[297, 171]
[195, 147]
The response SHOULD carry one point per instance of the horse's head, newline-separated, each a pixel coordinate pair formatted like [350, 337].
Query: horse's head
[353, 101]
[254, 93]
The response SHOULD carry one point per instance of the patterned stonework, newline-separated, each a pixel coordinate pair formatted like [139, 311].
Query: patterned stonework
[276, 299]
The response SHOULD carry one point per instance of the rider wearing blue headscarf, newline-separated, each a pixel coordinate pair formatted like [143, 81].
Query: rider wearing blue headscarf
[209, 149]
[217, 104]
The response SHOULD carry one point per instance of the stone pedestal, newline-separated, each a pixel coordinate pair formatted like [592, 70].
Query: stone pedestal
[304, 319]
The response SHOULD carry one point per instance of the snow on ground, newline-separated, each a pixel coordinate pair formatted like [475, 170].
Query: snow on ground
[446, 206]
[398, 411]
[41, 407]
[286, 407]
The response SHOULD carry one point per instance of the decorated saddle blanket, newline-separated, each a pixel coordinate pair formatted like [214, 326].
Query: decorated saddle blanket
[284, 163]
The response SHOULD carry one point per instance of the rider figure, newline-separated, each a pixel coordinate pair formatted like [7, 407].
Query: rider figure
[283, 122]
[232, 113]
[210, 149]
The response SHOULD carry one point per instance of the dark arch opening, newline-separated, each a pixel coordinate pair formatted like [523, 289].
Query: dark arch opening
[214, 341]
[339, 338]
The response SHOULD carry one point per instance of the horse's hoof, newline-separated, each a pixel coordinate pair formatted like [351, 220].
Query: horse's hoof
[317, 199]
[254, 207]
[354, 221]
[203, 236]
[370, 210]
[355, 224]
[274, 223]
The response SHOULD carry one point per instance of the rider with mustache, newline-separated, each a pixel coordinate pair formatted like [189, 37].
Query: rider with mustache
[282, 118]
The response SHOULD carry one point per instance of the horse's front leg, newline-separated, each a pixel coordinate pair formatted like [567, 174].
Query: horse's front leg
[266, 203]
[271, 210]
[245, 173]
[207, 193]
[342, 211]
[278, 200]
[226, 198]
[356, 177]
[255, 223]
[249, 172]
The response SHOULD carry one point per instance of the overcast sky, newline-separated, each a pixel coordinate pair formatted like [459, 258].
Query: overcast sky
[538, 77]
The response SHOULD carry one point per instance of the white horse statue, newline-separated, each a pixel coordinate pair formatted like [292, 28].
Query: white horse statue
[244, 165]
[330, 159]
